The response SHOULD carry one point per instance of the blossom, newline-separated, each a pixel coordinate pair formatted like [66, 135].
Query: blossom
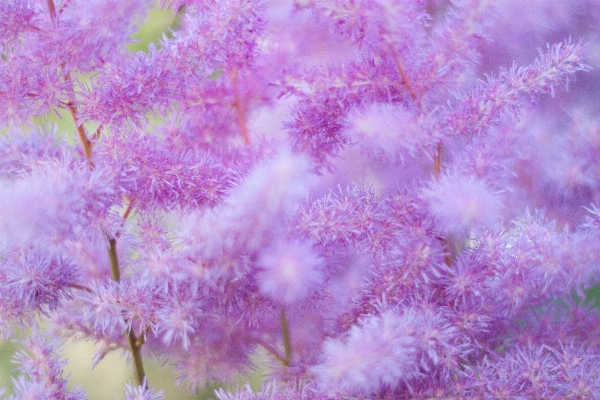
[288, 272]
[380, 352]
[57, 200]
[384, 351]
[389, 131]
[366, 198]
[461, 203]
[42, 375]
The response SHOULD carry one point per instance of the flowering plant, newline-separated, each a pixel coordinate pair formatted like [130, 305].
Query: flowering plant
[367, 191]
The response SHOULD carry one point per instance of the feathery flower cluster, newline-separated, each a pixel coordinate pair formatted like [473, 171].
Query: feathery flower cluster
[388, 199]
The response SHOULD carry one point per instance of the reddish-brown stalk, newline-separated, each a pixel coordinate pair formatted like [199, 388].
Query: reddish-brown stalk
[238, 106]
[437, 158]
[80, 287]
[437, 161]
[135, 343]
[405, 80]
[85, 141]
[128, 210]
[52, 9]
[447, 242]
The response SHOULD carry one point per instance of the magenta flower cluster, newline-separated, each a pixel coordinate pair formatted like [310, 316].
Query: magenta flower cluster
[391, 199]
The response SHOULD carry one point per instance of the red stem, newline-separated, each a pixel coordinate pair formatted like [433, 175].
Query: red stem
[239, 110]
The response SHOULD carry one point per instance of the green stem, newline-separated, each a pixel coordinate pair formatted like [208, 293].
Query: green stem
[136, 353]
[114, 260]
[274, 352]
[135, 345]
[287, 342]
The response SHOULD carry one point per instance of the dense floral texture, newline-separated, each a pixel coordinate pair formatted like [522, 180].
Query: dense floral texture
[385, 199]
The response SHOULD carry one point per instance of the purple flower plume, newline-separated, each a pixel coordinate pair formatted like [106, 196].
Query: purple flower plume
[41, 375]
[391, 199]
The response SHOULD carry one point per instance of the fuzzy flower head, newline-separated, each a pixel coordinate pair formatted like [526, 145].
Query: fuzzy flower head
[35, 279]
[57, 201]
[380, 352]
[460, 203]
[289, 271]
[255, 209]
[41, 372]
[386, 130]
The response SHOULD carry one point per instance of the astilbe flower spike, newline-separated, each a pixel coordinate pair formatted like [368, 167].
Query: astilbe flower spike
[387, 199]
[41, 369]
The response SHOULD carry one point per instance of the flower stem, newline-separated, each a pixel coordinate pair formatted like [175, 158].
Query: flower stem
[114, 260]
[287, 342]
[405, 79]
[239, 110]
[80, 287]
[52, 9]
[274, 352]
[128, 210]
[437, 161]
[135, 344]
[447, 243]
[85, 141]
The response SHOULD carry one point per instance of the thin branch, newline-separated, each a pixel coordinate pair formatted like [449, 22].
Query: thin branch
[83, 137]
[135, 344]
[128, 210]
[135, 347]
[437, 161]
[239, 110]
[114, 260]
[80, 287]
[405, 80]
[85, 142]
[449, 251]
[280, 359]
[52, 9]
[98, 133]
[287, 342]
